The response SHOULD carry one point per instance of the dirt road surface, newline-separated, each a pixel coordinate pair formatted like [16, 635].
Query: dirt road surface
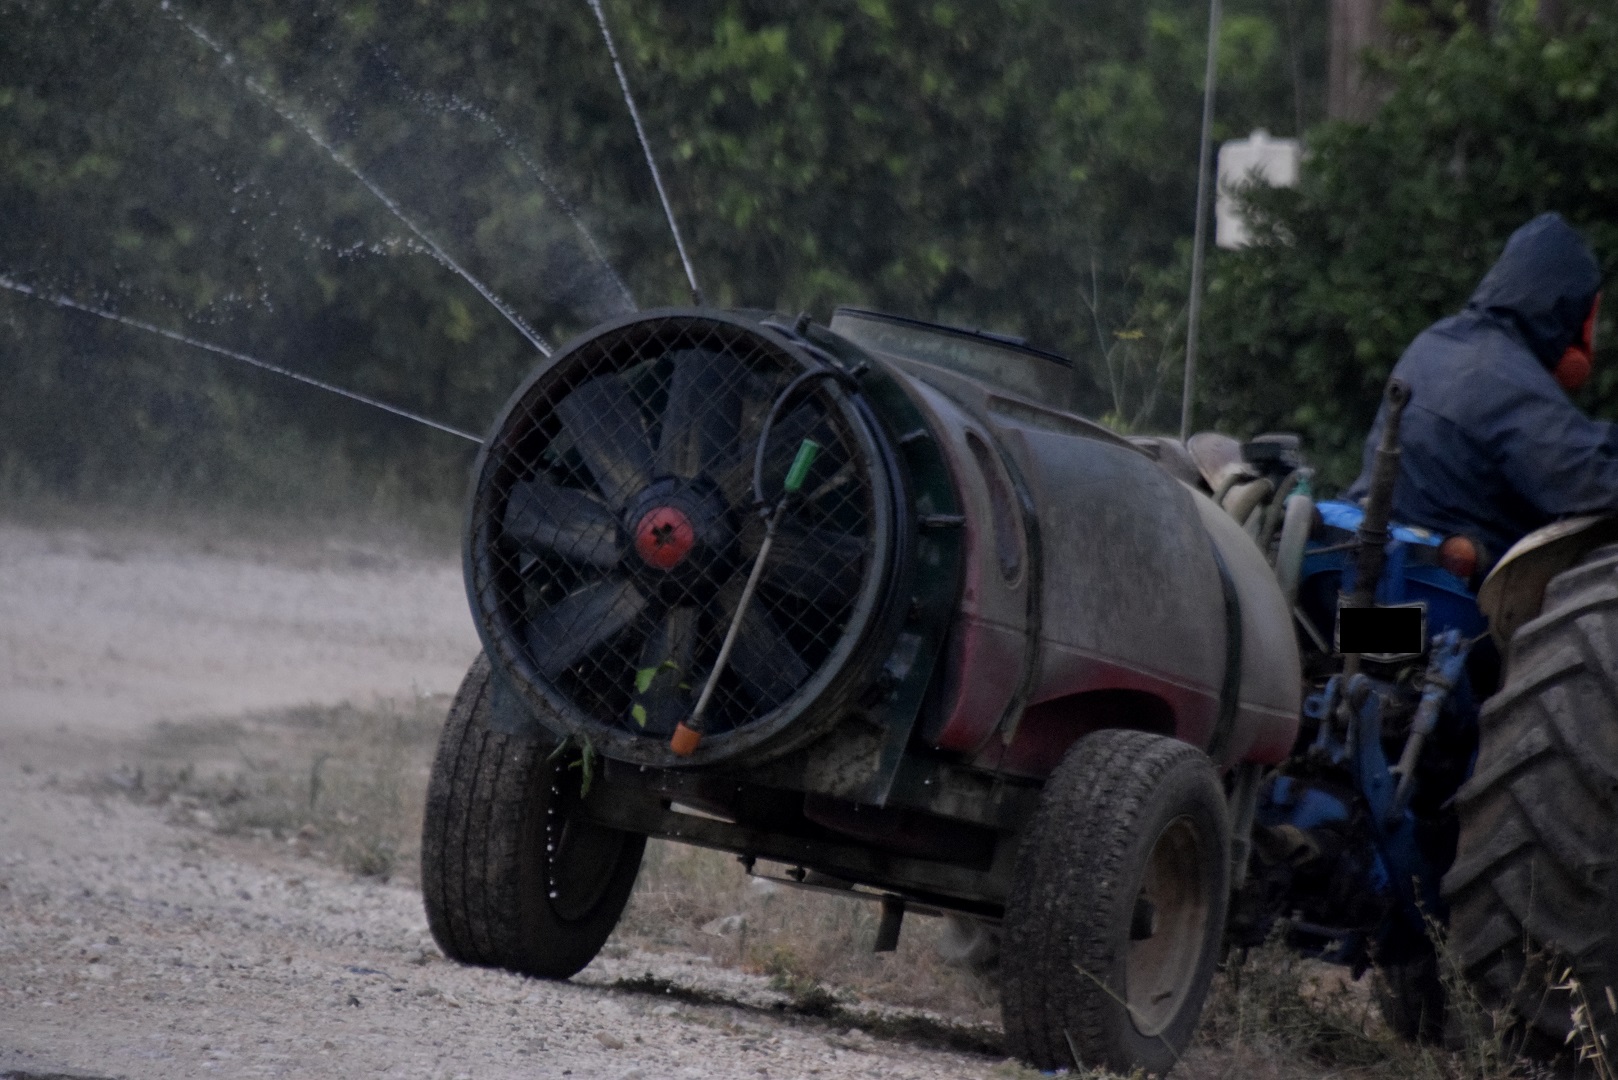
[132, 946]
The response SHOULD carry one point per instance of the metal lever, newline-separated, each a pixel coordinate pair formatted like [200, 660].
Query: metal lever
[1444, 670]
[1371, 538]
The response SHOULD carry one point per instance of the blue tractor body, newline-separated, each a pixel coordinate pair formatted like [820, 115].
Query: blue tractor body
[1412, 575]
[1347, 858]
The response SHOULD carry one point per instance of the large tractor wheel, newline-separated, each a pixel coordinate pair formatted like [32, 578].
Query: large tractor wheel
[1534, 889]
[510, 876]
[1117, 909]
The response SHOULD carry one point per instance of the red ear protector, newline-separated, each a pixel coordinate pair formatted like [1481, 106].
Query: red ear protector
[1573, 370]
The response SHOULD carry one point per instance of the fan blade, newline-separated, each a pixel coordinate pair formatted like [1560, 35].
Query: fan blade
[769, 668]
[563, 633]
[703, 416]
[604, 422]
[823, 567]
[662, 696]
[735, 477]
[543, 517]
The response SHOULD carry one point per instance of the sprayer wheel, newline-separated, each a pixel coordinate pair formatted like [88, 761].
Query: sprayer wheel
[1533, 891]
[510, 878]
[1117, 909]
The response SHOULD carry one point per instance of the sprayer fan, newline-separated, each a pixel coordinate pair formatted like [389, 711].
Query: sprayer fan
[613, 527]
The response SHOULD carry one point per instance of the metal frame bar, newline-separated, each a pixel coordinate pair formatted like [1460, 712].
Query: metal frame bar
[936, 884]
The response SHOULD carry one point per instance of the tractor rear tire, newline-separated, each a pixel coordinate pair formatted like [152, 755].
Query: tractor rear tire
[1117, 908]
[1533, 891]
[510, 876]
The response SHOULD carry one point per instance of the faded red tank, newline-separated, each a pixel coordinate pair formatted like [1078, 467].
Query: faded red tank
[1098, 590]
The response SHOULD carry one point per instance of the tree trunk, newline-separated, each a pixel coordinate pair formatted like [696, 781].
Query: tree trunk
[1356, 25]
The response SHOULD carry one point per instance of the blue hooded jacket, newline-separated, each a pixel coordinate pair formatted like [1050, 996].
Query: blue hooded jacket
[1492, 447]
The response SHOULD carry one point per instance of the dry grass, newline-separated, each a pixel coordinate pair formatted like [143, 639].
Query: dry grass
[379, 513]
[1586, 1035]
[1275, 1014]
[347, 784]
[1278, 1016]
[342, 784]
[807, 942]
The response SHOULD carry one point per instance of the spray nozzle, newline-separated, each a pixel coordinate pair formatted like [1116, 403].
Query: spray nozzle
[801, 464]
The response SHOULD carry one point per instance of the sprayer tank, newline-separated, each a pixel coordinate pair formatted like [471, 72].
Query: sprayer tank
[1098, 591]
[968, 567]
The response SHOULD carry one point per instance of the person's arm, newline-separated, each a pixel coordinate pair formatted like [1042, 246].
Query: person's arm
[1554, 457]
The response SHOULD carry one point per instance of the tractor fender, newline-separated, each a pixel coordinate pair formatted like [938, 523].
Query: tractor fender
[1514, 590]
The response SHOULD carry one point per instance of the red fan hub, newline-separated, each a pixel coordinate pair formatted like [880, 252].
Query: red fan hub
[664, 537]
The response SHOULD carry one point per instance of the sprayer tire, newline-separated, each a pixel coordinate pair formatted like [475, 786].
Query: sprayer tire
[494, 894]
[1092, 976]
[1533, 891]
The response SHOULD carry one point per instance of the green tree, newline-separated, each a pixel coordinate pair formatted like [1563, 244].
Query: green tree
[1021, 165]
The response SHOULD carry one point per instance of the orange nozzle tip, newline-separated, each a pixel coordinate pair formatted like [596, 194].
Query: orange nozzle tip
[684, 740]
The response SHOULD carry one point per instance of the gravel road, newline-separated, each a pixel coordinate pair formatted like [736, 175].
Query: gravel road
[133, 947]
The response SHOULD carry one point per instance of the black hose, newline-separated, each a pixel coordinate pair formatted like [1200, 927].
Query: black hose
[791, 389]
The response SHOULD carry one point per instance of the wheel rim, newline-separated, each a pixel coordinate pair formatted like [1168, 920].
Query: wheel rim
[1167, 929]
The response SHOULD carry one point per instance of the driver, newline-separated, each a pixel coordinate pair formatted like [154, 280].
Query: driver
[1492, 446]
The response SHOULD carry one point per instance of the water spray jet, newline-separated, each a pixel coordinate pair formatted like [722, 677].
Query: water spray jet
[291, 117]
[63, 301]
[455, 103]
[646, 148]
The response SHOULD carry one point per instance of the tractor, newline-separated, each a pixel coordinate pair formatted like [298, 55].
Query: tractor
[872, 601]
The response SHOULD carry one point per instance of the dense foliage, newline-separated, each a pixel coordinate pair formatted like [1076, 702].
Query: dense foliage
[1397, 220]
[1019, 165]
[1025, 165]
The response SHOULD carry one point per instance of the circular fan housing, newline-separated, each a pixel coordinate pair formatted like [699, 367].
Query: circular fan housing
[613, 527]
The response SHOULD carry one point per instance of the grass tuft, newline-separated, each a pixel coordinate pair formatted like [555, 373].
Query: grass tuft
[1275, 1003]
[343, 784]
[807, 943]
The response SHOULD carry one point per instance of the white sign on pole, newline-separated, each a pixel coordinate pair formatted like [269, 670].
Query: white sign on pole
[1242, 161]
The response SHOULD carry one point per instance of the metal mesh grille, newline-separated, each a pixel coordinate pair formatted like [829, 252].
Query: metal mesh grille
[615, 524]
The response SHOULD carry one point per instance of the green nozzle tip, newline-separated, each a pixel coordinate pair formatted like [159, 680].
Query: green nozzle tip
[800, 465]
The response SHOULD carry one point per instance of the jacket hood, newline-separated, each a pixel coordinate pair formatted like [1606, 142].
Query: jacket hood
[1543, 283]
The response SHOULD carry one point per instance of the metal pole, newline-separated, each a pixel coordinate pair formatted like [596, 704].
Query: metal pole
[1194, 315]
[646, 148]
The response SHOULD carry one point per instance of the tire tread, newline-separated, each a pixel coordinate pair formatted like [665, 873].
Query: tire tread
[484, 860]
[1071, 866]
[1534, 886]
